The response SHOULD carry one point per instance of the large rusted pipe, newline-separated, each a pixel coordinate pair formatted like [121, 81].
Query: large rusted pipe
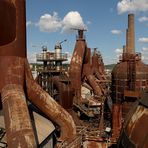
[49, 107]
[87, 72]
[17, 121]
[130, 35]
[12, 53]
[13, 78]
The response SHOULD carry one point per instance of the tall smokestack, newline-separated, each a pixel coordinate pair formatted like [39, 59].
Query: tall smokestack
[130, 35]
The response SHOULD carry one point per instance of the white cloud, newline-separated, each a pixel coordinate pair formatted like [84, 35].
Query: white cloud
[144, 49]
[31, 57]
[144, 58]
[49, 23]
[143, 40]
[73, 20]
[143, 19]
[53, 23]
[29, 23]
[118, 50]
[116, 32]
[132, 6]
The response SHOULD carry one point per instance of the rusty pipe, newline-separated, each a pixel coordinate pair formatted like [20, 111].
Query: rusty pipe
[91, 80]
[94, 85]
[49, 107]
[14, 105]
[17, 121]
[116, 120]
[12, 54]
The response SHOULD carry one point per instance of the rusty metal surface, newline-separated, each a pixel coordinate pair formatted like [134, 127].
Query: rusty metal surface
[93, 144]
[75, 70]
[135, 128]
[49, 106]
[12, 49]
[130, 74]
[17, 121]
[12, 18]
[130, 40]
[16, 77]
[116, 121]
[65, 92]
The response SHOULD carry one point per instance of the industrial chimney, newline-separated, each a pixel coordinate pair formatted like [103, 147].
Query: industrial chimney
[130, 35]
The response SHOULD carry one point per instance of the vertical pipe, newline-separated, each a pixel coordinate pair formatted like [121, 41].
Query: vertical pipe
[124, 49]
[17, 121]
[12, 55]
[116, 120]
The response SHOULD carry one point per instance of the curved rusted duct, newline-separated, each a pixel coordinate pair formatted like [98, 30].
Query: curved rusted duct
[87, 72]
[15, 74]
[49, 107]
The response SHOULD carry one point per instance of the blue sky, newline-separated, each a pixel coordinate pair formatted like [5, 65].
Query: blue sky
[49, 21]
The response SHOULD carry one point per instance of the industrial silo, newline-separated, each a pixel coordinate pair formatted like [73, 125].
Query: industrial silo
[130, 75]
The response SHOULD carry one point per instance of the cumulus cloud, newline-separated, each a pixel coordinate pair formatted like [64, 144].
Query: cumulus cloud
[49, 23]
[53, 23]
[73, 20]
[143, 40]
[116, 32]
[143, 19]
[132, 6]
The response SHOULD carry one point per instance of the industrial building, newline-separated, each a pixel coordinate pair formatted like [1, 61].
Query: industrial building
[74, 107]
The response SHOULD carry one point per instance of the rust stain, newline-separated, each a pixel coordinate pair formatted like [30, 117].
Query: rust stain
[93, 144]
